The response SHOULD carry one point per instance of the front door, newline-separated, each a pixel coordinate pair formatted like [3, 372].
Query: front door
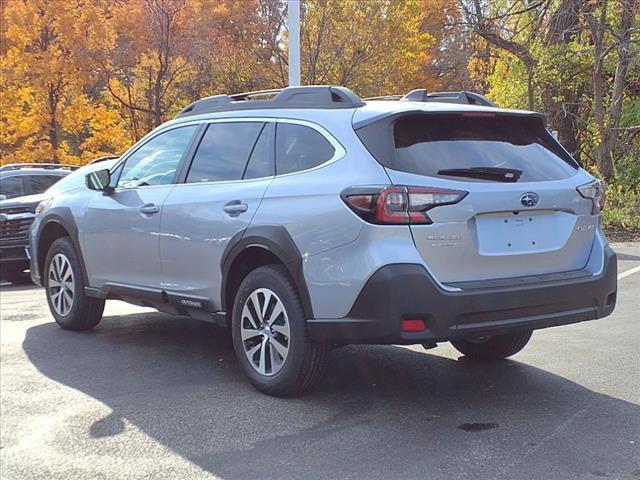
[120, 235]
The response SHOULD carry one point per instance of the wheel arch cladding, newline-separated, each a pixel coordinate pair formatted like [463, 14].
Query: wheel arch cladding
[56, 225]
[257, 246]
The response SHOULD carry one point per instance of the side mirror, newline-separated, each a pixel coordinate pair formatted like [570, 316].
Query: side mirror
[99, 180]
[2, 197]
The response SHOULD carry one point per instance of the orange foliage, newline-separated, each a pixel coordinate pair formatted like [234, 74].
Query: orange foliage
[83, 78]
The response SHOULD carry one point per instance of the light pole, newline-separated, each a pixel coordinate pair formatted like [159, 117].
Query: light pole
[293, 8]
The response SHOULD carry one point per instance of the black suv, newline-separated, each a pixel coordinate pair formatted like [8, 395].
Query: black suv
[21, 186]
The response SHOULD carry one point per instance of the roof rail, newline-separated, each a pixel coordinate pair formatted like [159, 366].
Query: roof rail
[102, 159]
[46, 166]
[314, 96]
[383, 97]
[466, 98]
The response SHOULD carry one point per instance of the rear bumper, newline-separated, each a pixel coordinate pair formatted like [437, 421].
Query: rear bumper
[407, 291]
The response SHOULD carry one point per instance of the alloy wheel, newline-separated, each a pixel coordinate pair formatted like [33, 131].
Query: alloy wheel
[60, 284]
[265, 333]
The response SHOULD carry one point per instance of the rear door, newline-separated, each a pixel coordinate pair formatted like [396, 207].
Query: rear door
[222, 189]
[522, 215]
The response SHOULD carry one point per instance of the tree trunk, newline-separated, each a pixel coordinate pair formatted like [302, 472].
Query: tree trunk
[560, 103]
[625, 55]
[54, 138]
[530, 98]
[598, 27]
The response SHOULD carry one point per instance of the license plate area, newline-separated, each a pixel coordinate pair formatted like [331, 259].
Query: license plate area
[512, 233]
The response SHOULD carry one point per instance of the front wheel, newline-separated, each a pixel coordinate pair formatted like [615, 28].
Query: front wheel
[493, 348]
[64, 285]
[270, 336]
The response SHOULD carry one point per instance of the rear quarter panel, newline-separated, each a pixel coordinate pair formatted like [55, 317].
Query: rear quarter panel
[308, 203]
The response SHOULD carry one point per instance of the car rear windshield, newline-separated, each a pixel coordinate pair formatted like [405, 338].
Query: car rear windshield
[478, 147]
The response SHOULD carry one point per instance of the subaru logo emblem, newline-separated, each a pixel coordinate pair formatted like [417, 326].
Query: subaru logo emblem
[529, 199]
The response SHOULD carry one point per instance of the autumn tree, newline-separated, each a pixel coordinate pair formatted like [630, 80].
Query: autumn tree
[608, 38]
[144, 67]
[233, 49]
[565, 52]
[47, 110]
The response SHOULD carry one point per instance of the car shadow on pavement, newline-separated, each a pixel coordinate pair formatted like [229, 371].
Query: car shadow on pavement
[21, 287]
[626, 256]
[380, 411]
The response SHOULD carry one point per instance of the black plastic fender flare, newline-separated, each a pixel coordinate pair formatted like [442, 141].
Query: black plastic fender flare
[276, 240]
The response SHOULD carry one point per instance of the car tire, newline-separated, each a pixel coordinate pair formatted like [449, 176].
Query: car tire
[271, 341]
[15, 274]
[497, 347]
[64, 285]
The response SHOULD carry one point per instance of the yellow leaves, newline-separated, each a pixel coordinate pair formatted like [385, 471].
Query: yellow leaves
[374, 47]
[97, 130]
[82, 78]
[51, 51]
[107, 134]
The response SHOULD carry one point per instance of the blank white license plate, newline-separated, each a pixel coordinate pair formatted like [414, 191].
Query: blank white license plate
[507, 233]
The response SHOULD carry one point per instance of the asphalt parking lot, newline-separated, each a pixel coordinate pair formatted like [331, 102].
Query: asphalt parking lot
[147, 395]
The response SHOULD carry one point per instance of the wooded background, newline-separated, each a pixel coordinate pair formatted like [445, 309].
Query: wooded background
[85, 78]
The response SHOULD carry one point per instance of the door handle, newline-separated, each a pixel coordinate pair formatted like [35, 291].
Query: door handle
[235, 207]
[149, 209]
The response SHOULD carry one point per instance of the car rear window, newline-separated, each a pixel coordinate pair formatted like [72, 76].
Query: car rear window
[457, 146]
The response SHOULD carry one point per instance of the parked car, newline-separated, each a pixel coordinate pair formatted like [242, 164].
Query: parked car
[17, 213]
[314, 218]
[21, 179]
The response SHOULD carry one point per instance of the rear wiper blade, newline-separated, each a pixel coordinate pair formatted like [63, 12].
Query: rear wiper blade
[486, 173]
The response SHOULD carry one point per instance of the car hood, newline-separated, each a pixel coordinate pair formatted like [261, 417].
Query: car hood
[23, 201]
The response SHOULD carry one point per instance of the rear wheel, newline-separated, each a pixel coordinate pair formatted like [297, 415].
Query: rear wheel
[493, 348]
[64, 285]
[270, 336]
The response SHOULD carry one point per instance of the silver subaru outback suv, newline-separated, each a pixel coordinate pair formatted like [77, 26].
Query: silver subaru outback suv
[307, 218]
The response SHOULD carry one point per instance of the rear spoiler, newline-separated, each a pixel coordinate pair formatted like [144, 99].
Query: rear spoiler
[390, 116]
[422, 95]
[376, 133]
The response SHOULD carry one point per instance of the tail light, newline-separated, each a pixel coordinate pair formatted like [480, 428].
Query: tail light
[594, 191]
[398, 204]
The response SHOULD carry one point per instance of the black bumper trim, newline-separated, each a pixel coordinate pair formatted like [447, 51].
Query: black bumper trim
[407, 291]
[521, 281]
[12, 254]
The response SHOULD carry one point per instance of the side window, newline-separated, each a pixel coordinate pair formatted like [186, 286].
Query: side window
[224, 151]
[12, 187]
[299, 147]
[156, 162]
[39, 183]
[260, 163]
